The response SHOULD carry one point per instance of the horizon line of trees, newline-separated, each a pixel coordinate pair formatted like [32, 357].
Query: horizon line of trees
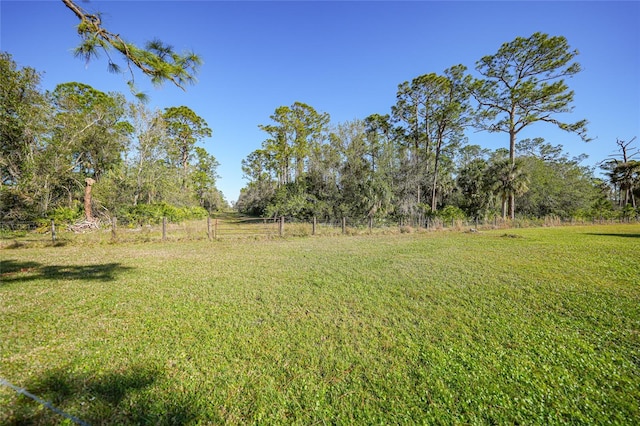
[78, 152]
[361, 169]
[416, 161]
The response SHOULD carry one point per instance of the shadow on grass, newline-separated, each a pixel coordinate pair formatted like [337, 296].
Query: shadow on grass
[12, 271]
[116, 398]
[24, 243]
[614, 235]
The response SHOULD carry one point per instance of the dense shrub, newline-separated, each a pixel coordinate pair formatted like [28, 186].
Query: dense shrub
[151, 214]
[65, 214]
[449, 213]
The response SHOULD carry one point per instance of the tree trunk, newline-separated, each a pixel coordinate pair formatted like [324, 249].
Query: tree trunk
[185, 168]
[87, 199]
[435, 174]
[433, 190]
[512, 158]
[512, 206]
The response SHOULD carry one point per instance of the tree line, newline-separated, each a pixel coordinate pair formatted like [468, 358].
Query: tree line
[78, 152]
[415, 162]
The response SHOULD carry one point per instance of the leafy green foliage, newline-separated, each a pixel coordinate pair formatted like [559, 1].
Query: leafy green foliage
[65, 215]
[90, 128]
[255, 197]
[289, 200]
[524, 84]
[22, 119]
[434, 111]
[557, 184]
[623, 171]
[475, 200]
[184, 128]
[147, 214]
[293, 134]
[392, 166]
[53, 141]
[450, 213]
[506, 178]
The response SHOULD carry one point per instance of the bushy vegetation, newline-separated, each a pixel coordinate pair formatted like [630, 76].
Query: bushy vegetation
[63, 215]
[148, 214]
[416, 160]
[135, 159]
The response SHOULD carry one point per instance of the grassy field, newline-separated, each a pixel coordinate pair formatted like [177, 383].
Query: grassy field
[528, 326]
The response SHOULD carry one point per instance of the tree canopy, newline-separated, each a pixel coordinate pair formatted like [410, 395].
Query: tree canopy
[409, 164]
[78, 150]
[523, 84]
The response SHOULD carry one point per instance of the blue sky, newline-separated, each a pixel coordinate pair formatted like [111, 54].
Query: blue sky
[342, 58]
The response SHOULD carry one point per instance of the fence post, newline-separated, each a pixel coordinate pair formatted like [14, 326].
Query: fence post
[215, 229]
[164, 228]
[313, 227]
[53, 231]
[209, 227]
[344, 225]
[114, 233]
[370, 224]
[281, 227]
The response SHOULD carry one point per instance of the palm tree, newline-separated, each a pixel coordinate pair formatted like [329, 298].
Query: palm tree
[506, 178]
[626, 176]
[624, 172]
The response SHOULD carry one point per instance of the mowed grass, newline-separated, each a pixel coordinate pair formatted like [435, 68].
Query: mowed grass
[529, 326]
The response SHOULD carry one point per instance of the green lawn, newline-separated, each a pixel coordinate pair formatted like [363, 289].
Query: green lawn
[529, 326]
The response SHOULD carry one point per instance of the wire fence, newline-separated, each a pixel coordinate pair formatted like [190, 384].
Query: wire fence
[237, 227]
